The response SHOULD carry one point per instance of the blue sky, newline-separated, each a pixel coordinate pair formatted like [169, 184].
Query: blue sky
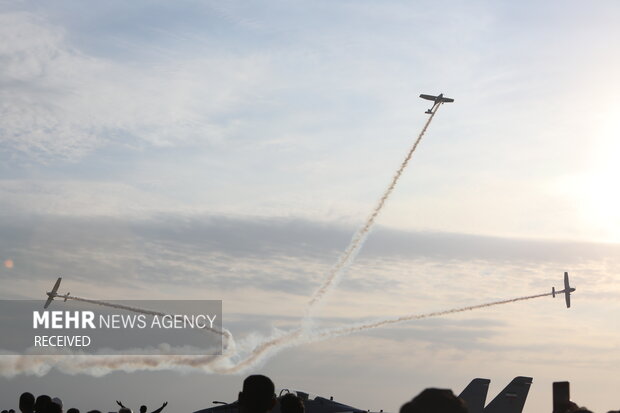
[171, 150]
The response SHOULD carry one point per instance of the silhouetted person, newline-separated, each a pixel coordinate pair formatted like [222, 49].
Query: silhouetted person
[94, 411]
[291, 403]
[4, 411]
[26, 403]
[258, 395]
[124, 410]
[435, 401]
[73, 410]
[143, 408]
[56, 405]
[42, 404]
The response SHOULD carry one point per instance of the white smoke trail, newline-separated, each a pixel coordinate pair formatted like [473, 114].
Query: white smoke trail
[225, 333]
[302, 336]
[114, 305]
[347, 257]
[231, 361]
[257, 352]
[340, 331]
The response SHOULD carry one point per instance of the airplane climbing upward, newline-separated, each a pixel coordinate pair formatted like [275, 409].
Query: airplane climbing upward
[438, 100]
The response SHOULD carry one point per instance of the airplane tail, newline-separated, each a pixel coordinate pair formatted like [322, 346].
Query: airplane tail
[475, 395]
[512, 398]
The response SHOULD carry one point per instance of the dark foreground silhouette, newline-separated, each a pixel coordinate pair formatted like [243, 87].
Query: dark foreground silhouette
[258, 396]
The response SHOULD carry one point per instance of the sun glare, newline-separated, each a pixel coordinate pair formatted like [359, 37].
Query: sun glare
[600, 207]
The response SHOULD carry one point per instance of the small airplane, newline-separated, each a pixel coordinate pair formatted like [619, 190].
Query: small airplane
[438, 100]
[54, 293]
[567, 290]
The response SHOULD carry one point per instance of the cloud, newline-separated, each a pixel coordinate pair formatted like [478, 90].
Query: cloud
[185, 254]
[59, 103]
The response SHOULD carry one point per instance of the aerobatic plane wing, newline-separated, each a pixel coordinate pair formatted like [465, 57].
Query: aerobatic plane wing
[55, 289]
[428, 97]
[53, 293]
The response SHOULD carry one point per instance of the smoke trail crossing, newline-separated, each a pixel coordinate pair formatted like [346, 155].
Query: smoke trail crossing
[360, 236]
[296, 337]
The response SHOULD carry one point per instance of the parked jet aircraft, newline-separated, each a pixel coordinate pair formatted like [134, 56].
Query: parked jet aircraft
[438, 100]
[54, 293]
[312, 404]
[510, 400]
[567, 290]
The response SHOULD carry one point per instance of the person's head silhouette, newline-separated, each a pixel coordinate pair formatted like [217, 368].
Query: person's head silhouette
[258, 394]
[26, 403]
[43, 404]
[435, 401]
[291, 403]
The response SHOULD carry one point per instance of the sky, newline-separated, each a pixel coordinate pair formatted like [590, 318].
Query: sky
[229, 150]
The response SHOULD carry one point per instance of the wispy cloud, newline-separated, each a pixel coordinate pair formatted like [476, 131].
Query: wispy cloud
[58, 102]
[291, 256]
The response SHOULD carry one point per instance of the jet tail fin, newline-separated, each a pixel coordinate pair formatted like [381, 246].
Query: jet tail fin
[512, 398]
[475, 395]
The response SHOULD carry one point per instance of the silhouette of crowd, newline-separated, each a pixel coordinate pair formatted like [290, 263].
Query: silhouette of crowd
[47, 404]
[258, 396]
